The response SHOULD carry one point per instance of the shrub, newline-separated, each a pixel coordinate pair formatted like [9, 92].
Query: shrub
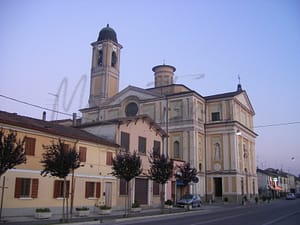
[103, 207]
[82, 208]
[135, 205]
[169, 202]
[40, 210]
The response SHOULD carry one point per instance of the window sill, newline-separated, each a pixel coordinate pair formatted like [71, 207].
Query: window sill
[25, 198]
[91, 198]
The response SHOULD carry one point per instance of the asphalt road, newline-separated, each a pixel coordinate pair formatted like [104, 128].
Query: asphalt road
[280, 212]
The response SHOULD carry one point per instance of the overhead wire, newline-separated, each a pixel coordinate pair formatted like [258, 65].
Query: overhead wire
[68, 114]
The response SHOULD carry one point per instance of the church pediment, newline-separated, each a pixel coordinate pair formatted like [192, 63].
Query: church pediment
[131, 92]
[243, 99]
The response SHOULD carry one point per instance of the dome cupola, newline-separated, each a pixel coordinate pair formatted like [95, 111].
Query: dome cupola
[107, 33]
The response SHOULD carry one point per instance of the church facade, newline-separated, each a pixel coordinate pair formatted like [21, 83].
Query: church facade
[213, 133]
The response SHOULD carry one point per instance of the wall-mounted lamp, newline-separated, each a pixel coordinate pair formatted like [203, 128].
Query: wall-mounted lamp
[238, 133]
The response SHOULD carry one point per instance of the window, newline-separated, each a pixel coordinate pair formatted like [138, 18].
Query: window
[176, 149]
[125, 141]
[113, 59]
[109, 158]
[92, 189]
[26, 187]
[59, 187]
[29, 146]
[131, 109]
[215, 116]
[155, 188]
[142, 145]
[123, 187]
[156, 148]
[66, 147]
[82, 154]
[100, 58]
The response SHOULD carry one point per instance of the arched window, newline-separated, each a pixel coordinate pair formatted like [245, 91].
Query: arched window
[113, 59]
[100, 58]
[176, 149]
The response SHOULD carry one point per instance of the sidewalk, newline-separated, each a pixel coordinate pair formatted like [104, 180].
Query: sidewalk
[116, 215]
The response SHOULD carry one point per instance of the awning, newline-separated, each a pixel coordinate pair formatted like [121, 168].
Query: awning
[276, 188]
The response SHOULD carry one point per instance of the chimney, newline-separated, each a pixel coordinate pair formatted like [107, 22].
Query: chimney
[44, 116]
[74, 120]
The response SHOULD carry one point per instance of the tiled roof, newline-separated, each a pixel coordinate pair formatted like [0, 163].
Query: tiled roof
[51, 128]
[224, 95]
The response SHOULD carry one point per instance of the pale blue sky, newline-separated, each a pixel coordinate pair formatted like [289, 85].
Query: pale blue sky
[43, 42]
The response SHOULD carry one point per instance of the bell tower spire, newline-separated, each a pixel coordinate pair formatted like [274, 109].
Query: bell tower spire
[105, 67]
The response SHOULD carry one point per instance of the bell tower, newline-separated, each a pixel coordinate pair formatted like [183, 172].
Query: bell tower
[105, 69]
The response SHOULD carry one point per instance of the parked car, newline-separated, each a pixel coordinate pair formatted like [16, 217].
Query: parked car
[290, 196]
[297, 195]
[190, 199]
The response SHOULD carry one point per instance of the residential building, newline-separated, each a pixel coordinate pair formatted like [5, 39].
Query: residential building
[137, 133]
[24, 187]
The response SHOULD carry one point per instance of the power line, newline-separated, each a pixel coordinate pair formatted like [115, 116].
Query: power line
[36, 106]
[277, 124]
[67, 114]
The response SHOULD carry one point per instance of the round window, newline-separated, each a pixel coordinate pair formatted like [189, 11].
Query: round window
[131, 109]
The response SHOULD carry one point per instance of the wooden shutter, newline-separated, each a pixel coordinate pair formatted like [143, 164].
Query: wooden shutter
[18, 187]
[98, 190]
[34, 188]
[87, 188]
[29, 146]
[142, 145]
[125, 141]
[123, 187]
[155, 188]
[56, 189]
[109, 156]
[82, 154]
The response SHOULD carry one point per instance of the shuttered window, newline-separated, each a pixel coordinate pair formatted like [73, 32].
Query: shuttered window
[26, 188]
[82, 154]
[155, 188]
[109, 157]
[29, 146]
[142, 145]
[58, 189]
[123, 187]
[125, 141]
[92, 189]
[156, 148]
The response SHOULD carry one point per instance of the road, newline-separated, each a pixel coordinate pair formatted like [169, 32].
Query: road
[279, 212]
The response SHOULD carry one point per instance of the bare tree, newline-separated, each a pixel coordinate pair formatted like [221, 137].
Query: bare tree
[12, 153]
[126, 165]
[59, 161]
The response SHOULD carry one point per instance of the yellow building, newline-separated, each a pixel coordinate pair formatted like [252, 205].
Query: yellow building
[25, 189]
[213, 133]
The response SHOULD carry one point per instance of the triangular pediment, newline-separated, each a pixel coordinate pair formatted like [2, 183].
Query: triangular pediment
[243, 99]
[128, 92]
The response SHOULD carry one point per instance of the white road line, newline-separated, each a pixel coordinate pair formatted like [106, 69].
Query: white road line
[219, 219]
[280, 218]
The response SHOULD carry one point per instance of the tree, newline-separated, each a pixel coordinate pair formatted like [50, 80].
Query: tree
[160, 171]
[126, 165]
[12, 153]
[59, 160]
[186, 173]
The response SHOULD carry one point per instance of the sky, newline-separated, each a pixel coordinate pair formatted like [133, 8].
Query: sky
[45, 50]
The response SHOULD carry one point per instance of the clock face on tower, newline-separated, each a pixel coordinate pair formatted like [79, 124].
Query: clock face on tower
[131, 109]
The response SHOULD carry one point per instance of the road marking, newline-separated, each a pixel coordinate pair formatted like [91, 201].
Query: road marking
[219, 219]
[280, 218]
